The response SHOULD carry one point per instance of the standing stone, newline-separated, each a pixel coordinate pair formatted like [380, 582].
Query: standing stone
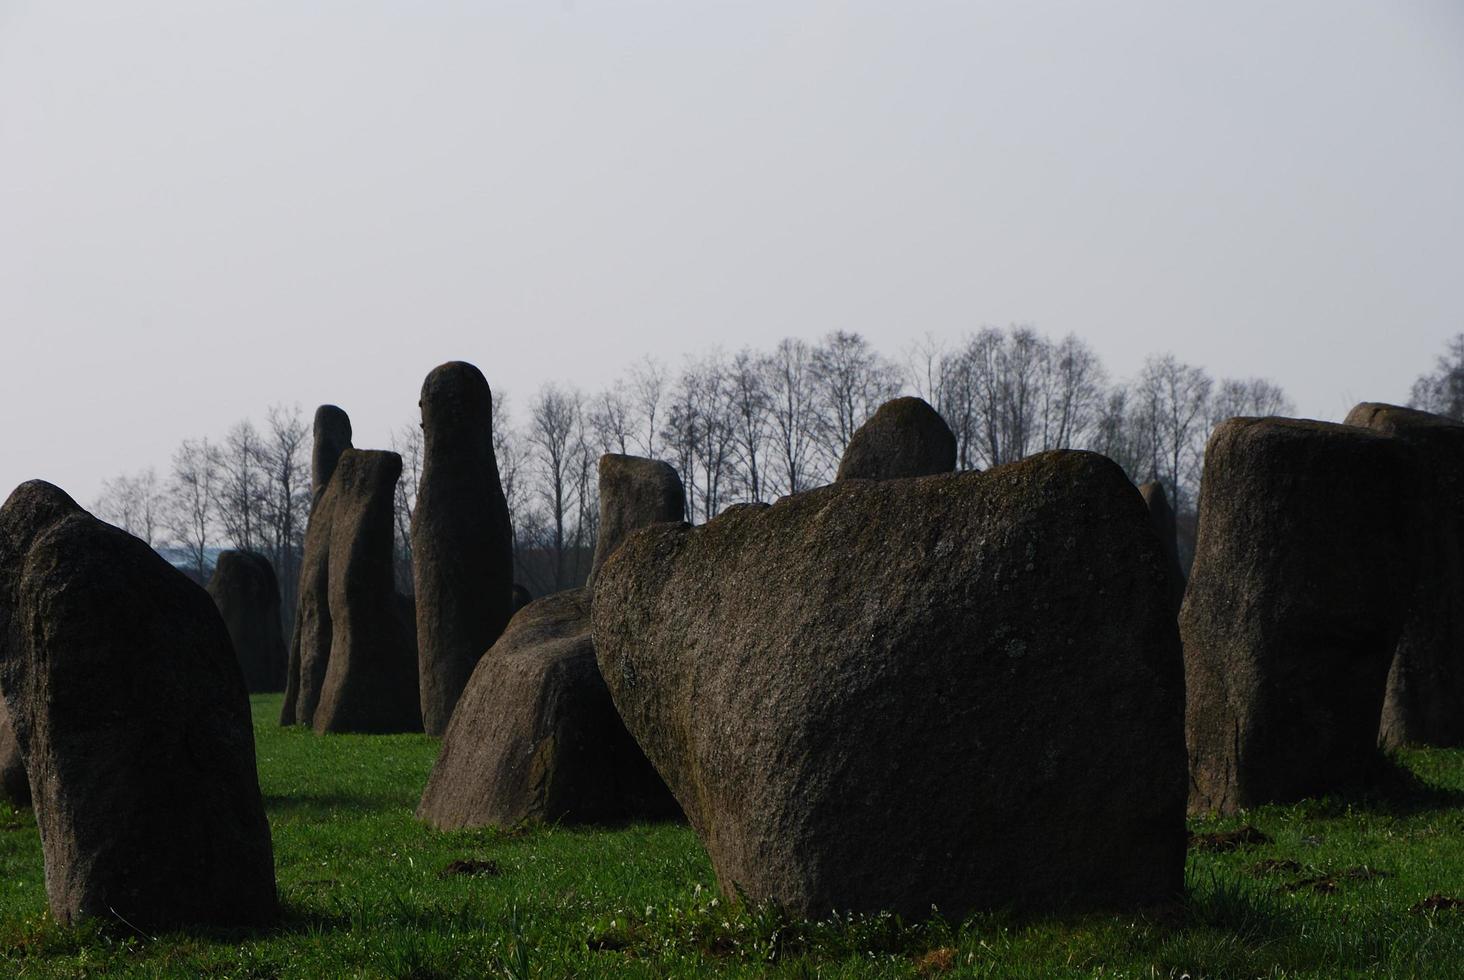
[1424, 704]
[634, 492]
[131, 714]
[536, 739]
[1161, 515]
[370, 678]
[247, 593]
[962, 691]
[14, 784]
[310, 643]
[904, 438]
[462, 543]
[1304, 567]
[332, 436]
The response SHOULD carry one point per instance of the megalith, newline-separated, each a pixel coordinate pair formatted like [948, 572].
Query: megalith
[130, 711]
[1304, 567]
[536, 739]
[332, 433]
[1161, 516]
[462, 542]
[370, 679]
[247, 594]
[634, 492]
[1424, 703]
[905, 437]
[962, 691]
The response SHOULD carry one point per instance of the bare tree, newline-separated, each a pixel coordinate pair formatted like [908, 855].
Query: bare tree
[1236, 397]
[611, 419]
[1442, 391]
[788, 375]
[1174, 399]
[1119, 435]
[1071, 396]
[553, 433]
[751, 411]
[647, 390]
[135, 504]
[285, 460]
[193, 500]
[851, 380]
[241, 487]
[406, 442]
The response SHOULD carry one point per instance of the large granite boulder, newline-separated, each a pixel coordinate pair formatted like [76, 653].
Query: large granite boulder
[536, 739]
[131, 715]
[905, 437]
[1161, 515]
[634, 492]
[247, 593]
[462, 543]
[1424, 703]
[14, 783]
[332, 436]
[961, 691]
[1303, 573]
[370, 679]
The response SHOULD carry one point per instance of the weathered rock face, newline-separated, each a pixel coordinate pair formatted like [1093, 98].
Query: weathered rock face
[462, 544]
[1161, 516]
[247, 593]
[370, 678]
[131, 714]
[634, 492]
[536, 739]
[1424, 704]
[962, 690]
[14, 784]
[905, 437]
[1304, 565]
[332, 437]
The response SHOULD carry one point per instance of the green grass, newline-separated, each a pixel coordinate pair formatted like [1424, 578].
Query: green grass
[1333, 893]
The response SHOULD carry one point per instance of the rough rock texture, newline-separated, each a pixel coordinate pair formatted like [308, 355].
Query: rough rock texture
[962, 690]
[311, 639]
[634, 492]
[1304, 566]
[247, 593]
[370, 678]
[904, 437]
[536, 739]
[14, 784]
[1424, 703]
[131, 714]
[462, 547]
[332, 437]
[1161, 515]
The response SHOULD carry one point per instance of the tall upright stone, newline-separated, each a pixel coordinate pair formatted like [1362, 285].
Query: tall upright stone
[905, 437]
[131, 714]
[1424, 704]
[962, 690]
[462, 542]
[1304, 567]
[635, 492]
[247, 593]
[332, 436]
[1161, 516]
[370, 679]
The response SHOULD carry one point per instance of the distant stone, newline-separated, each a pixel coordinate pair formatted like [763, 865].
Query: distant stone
[963, 691]
[462, 543]
[536, 739]
[247, 593]
[370, 681]
[332, 437]
[634, 492]
[14, 784]
[905, 437]
[1304, 567]
[1161, 516]
[130, 711]
[521, 597]
[1424, 704]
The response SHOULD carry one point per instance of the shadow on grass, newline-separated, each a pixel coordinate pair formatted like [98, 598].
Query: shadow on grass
[1388, 788]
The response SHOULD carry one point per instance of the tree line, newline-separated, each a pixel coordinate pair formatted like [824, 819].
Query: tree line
[752, 425]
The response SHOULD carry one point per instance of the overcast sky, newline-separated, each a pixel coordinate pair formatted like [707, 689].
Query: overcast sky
[207, 207]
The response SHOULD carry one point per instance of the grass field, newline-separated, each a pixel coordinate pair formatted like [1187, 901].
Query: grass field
[1329, 888]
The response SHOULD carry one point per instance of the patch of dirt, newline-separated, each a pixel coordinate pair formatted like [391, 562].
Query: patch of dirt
[609, 943]
[1364, 873]
[936, 962]
[1272, 866]
[1229, 840]
[471, 868]
[1437, 903]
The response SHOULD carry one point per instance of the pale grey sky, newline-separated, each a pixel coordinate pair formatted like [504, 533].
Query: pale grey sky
[207, 206]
